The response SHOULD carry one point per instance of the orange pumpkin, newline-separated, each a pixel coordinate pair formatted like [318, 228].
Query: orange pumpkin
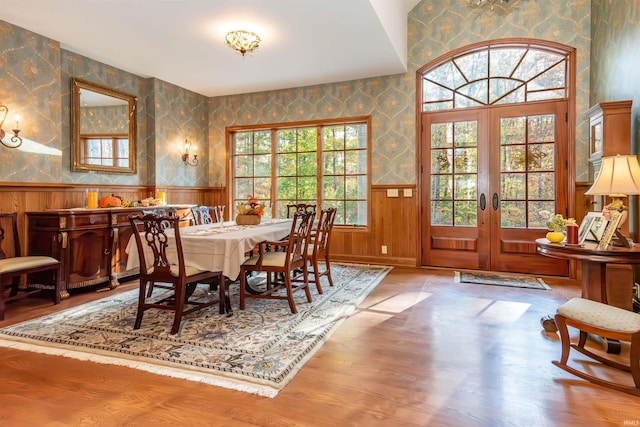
[110, 201]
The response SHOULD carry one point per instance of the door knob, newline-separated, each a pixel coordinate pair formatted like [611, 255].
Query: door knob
[495, 201]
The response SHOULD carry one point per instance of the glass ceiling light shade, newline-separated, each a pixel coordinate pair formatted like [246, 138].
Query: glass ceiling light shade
[242, 41]
[619, 176]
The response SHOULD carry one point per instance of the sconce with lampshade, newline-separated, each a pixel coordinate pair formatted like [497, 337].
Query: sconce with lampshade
[16, 140]
[188, 158]
[618, 178]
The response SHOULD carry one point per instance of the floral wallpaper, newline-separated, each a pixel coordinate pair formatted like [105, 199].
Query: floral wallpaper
[615, 57]
[179, 114]
[74, 65]
[110, 119]
[30, 87]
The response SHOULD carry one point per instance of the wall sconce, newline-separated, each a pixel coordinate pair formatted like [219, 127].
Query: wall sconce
[189, 159]
[15, 141]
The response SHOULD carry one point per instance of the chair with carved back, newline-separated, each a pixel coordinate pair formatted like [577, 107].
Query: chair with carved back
[164, 263]
[204, 214]
[13, 266]
[282, 264]
[319, 247]
[300, 207]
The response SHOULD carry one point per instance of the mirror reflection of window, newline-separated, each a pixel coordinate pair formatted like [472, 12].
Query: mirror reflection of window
[104, 129]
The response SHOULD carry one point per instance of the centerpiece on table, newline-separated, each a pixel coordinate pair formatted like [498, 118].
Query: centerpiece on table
[556, 225]
[249, 212]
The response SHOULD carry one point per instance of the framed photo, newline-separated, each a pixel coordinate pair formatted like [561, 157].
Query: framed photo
[610, 229]
[585, 226]
[596, 227]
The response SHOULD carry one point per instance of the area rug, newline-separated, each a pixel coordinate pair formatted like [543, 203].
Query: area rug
[257, 350]
[500, 279]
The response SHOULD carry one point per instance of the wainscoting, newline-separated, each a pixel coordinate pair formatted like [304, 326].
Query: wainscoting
[393, 220]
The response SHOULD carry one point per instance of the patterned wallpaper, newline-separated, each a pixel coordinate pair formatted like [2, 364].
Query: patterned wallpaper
[30, 87]
[35, 81]
[615, 57]
[112, 119]
[74, 65]
[179, 114]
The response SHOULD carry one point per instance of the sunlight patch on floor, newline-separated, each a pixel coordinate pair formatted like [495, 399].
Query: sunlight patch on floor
[500, 312]
[400, 302]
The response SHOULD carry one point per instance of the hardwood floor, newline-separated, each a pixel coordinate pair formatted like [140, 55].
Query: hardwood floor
[421, 350]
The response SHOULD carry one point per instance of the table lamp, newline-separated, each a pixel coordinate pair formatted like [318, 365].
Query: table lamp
[619, 177]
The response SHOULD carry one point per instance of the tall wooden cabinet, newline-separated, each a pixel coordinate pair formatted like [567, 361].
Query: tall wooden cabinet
[610, 134]
[90, 243]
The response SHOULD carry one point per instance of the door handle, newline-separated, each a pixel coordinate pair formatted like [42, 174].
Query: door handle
[483, 202]
[495, 201]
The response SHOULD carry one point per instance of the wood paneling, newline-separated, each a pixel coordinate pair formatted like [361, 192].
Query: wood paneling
[27, 197]
[393, 224]
[393, 219]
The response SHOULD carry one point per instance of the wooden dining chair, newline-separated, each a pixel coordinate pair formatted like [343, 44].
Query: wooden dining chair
[152, 231]
[319, 247]
[205, 214]
[281, 264]
[14, 266]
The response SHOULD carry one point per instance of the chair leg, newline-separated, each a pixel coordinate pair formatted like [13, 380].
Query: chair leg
[181, 296]
[141, 304]
[243, 283]
[316, 274]
[287, 284]
[564, 339]
[634, 360]
[327, 269]
[224, 304]
[305, 275]
[58, 284]
[2, 305]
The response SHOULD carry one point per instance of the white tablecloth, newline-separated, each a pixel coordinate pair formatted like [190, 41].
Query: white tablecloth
[214, 247]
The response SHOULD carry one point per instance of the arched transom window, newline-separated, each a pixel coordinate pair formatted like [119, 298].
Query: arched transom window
[502, 74]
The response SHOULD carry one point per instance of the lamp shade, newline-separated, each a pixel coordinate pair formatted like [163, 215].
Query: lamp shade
[619, 175]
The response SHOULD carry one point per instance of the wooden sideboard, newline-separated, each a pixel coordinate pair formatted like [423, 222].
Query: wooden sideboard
[90, 243]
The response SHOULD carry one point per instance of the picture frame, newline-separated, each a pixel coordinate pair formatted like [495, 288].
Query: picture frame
[610, 229]
[585, 226]
[597, 225]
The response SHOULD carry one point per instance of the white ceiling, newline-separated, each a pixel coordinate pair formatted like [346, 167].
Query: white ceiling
[304, 42]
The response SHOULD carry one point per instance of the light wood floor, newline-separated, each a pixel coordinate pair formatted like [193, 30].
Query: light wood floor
[422, 350]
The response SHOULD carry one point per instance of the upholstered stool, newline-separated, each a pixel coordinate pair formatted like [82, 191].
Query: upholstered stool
[591, 317]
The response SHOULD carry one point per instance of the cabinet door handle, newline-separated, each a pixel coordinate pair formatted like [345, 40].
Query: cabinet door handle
[483, 201]
[63, 240]
[495, 201]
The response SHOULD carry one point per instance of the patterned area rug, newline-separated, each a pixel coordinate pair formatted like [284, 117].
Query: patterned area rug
[500, 279]
[258, 350]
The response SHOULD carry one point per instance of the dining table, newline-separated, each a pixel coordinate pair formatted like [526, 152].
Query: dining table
[217, 246]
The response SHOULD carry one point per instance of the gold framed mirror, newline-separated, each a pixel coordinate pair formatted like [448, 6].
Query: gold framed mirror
[103, 129]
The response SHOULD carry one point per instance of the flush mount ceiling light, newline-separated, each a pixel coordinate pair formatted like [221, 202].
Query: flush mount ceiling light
[242, 41]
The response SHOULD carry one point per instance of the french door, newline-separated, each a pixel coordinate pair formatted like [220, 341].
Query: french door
[487, 173]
